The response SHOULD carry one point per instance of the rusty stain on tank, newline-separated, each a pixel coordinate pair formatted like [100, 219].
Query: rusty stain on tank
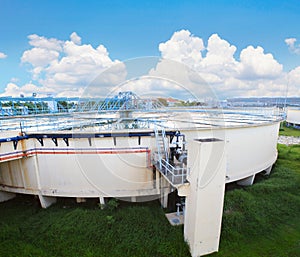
[23, 146]
[25, 174]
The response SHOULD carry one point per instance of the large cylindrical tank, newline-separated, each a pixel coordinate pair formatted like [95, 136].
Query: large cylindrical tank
[120, 166]
[293, 117]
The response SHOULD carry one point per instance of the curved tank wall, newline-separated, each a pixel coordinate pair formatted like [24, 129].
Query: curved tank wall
[121, 167]
[80, 169]
[250, 149]
[293, 117]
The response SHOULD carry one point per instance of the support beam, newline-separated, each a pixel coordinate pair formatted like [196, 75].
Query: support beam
[164, 192]
[46, 201]
[102, 202]
[80, 200]
[246, 181]
[5, 196]
[268, 170]
[204, 201]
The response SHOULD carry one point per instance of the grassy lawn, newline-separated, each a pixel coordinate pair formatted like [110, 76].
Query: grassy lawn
[261, 220]
[70, 229]
[289, 131]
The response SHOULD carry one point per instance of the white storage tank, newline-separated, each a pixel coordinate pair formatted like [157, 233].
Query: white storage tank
[293, 117]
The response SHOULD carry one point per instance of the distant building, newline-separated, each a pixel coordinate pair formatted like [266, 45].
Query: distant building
[172, 102]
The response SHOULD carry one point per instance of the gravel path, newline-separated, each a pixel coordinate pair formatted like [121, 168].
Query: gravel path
[285, 140]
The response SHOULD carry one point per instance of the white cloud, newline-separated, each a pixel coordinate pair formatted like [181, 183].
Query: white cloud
[219, 62]
[293, 78]
[14, 90]
[255, 73]
[75, 38]
[291, 43]
[189, 66]
[46, 43]
[2, 55]
[180, 80]
[65, 66]
[39, 57]
[255, 64]
[183, 47]
[219, 52]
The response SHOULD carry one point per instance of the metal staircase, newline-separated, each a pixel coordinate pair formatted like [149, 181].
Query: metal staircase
[175, 173]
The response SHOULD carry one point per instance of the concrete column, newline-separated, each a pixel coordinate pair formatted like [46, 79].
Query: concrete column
[204, 201]
[101, 199]
[164, 192]
[102, 202]
[158, 178]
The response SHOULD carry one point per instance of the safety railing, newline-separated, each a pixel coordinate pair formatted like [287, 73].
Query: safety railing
[176, 175]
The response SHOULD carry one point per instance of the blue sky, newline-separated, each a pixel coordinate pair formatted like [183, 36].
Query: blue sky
[129, 29]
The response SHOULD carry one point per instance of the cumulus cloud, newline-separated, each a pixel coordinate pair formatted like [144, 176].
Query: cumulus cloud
[75, 38]
[14, 90]
[2, 55]
[46, 43]
[183, 47]
[255, 64]
[39, 57]
[64, 67]
[180, 80]
[254, 73]
[189, 65]
[219, 52]
[293, 47]
[293, 78]
[219, 61]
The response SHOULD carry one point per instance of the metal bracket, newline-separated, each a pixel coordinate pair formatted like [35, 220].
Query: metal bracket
[66, 140]
[15, 142]
[41, 141]
[54, 139]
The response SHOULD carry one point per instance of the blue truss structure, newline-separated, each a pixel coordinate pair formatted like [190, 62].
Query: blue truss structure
[20, 106]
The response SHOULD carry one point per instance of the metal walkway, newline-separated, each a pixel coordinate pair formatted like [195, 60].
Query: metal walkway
[175, 173]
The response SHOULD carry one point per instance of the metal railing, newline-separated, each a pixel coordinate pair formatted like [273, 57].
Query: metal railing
[175, 174]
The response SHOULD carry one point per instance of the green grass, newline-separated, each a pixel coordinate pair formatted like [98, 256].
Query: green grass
[261, 220]
[70, 229]
[288, 131]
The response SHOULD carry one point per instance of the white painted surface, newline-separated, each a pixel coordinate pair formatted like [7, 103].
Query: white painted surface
[250, 149]
[293, 116]
[78, 170]
[204, 202]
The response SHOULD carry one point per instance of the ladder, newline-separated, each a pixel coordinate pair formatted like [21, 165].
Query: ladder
[162, 145]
